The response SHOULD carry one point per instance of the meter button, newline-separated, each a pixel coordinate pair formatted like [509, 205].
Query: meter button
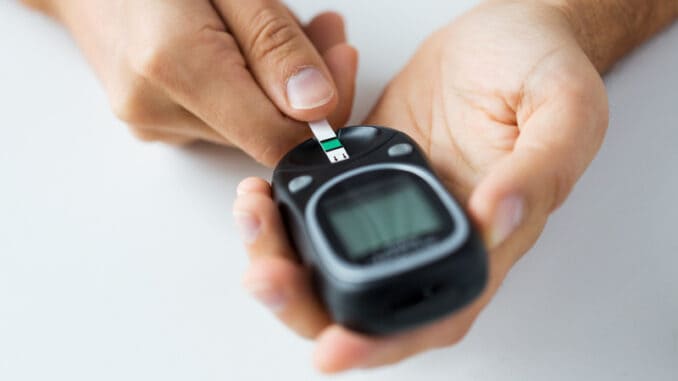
[299, 183]
[401, 149]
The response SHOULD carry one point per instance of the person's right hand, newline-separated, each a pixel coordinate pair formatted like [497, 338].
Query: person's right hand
[225, 71]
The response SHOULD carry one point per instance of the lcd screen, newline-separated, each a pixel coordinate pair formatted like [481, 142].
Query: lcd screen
[379, 215]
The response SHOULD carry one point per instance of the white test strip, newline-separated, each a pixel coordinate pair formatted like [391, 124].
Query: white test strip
[328, 141]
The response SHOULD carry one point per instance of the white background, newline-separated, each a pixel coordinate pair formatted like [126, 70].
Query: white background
[119, 260]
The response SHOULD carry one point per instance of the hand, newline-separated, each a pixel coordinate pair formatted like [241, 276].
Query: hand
[510, 112]
[225, 71]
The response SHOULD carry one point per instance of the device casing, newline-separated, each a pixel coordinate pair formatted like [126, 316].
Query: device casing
[382, 306]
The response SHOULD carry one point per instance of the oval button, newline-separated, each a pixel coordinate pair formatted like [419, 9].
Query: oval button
[401, 149]
[299, 183]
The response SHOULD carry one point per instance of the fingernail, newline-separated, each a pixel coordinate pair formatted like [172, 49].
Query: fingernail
[507, 218]
[241, 189]
[248, 226]
[270, 297]
[308, 89]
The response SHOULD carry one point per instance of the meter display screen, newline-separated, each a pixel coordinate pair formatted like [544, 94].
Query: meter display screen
[376, 216]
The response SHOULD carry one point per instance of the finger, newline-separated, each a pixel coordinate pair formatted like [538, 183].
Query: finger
[254, 185]
[340, 349]
[257, 214]
[151, 114]
[562, 125]
[179, 123]
[151, 136]
[326, 31]
[283, 287]
[275, 277]
[283, 60]
[342, 61]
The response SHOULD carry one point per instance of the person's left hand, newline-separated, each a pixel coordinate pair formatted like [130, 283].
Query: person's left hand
[510, 112]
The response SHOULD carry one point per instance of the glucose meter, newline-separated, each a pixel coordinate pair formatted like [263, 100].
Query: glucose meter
[388, 247]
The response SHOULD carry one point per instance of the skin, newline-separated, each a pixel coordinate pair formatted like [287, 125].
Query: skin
[219, 71]
[509, 106]
[609, 29]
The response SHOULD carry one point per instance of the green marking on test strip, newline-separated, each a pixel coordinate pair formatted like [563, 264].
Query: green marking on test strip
[329, 145]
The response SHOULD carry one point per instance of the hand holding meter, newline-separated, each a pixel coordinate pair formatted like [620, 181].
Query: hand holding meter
[388, 247]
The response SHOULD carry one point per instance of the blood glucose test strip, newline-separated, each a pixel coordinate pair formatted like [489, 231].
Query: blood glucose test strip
[328, 140]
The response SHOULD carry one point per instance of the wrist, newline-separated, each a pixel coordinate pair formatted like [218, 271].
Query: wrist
[609, 29]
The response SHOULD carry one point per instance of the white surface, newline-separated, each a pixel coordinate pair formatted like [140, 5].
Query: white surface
[119, 261]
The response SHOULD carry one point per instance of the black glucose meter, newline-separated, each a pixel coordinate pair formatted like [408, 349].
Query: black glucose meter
[388, 247]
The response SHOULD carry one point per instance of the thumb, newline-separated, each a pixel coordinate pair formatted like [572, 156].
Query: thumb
[557, 142]
[281, 57]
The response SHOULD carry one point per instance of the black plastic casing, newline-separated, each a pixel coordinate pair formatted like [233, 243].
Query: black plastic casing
[389, 305]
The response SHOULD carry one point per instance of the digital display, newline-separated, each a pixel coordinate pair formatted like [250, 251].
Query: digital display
[381, 214]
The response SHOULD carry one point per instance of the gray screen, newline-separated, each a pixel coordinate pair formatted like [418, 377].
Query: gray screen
[375, 218]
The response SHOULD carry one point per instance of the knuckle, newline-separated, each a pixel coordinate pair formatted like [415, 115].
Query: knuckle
[216, 48]
[145, 135]
[154, 61]
[558, 180]
[180, 141]
[268, 154]
[454, 338]
[275, 148]
[178, 63]
[130, 105]
[308, 332]
[563, 182]
[35, 4]
[43, 6]
[273, 35]
[443, 334]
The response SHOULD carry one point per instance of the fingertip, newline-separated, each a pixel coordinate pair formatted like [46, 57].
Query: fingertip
[342, 62]
[326, 30]
[339, 349]
[253, 185]
[498, 207]
[332, 19]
